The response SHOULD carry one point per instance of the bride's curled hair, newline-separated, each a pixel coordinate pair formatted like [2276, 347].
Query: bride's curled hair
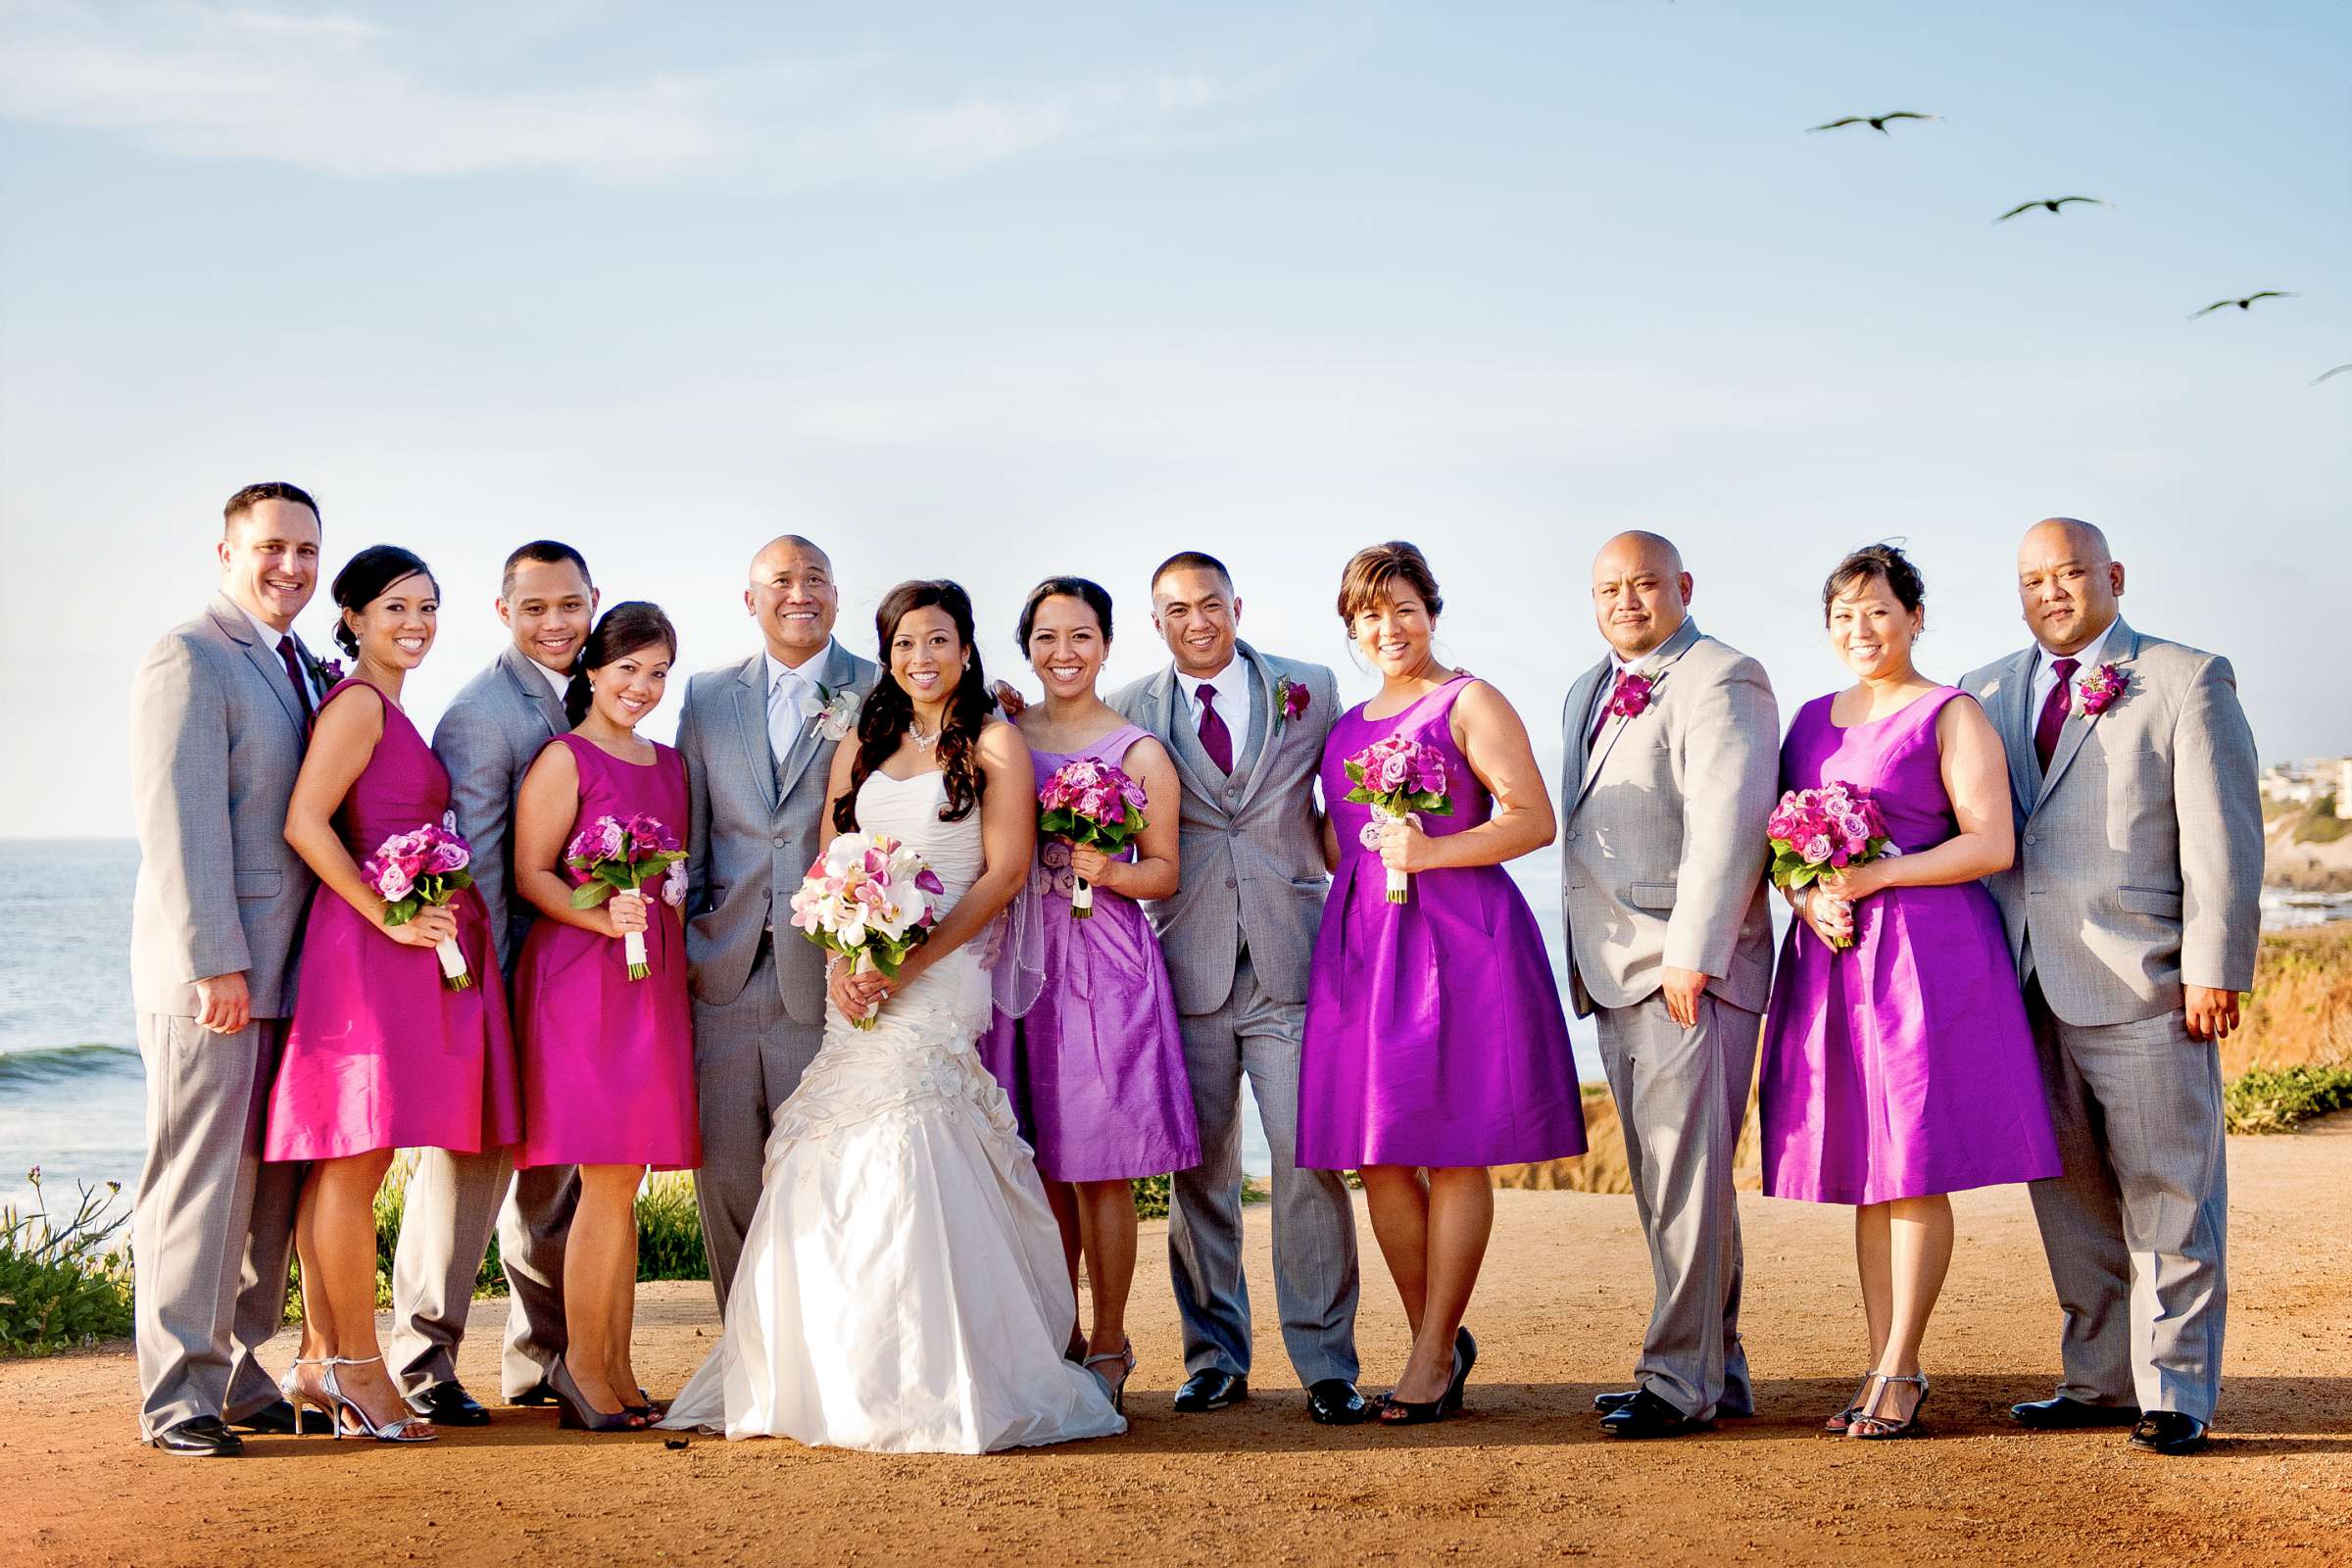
[884, 717]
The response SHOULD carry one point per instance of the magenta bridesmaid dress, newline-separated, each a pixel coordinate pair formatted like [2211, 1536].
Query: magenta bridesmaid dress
[1096, 1067]
[381, 1054]
[608, 1061]
[1902, 1066]
[1434, 1029]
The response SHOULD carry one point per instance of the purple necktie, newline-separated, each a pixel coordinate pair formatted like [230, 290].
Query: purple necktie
[302, 687]
[2053, 711]
[1215, 739]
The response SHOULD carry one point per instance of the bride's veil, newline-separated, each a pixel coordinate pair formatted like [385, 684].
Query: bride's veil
[1012, 950]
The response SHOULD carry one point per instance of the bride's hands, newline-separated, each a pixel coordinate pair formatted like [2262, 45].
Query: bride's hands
[858, 996]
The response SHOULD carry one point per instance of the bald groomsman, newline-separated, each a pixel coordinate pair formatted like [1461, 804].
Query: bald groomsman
[1671, 765]
[2132, 916]
[756, 765]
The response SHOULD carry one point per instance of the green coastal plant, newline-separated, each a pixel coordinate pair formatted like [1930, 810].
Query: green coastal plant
[2279, 1100]
[65, 1285]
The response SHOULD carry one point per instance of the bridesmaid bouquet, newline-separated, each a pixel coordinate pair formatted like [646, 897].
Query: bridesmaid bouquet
[418, 870]
[1398, 778]
[1828, 829]
[1095, 805]
[613, 856]
[872, 899]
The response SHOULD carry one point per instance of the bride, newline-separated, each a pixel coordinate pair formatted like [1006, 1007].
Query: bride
[901, 1286]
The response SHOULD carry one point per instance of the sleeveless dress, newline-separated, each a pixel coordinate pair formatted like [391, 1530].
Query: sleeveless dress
[902, 1288]
[1434, 1029]
[380, 1053]
[1903, 1065]
[608, 1061]
[1096, 1068]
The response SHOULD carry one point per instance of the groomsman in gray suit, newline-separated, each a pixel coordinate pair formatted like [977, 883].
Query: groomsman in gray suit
[219, 713]
[756, 758]
[488, 738]
[1671, 765]
[2132, 916]
[1247, 732]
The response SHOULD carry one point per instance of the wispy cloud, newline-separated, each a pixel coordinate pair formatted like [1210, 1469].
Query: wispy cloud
[344, 95]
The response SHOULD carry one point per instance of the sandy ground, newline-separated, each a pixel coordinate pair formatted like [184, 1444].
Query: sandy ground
[1523, 1476]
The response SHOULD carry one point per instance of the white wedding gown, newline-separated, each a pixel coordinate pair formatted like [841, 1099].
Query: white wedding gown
[901, 1286]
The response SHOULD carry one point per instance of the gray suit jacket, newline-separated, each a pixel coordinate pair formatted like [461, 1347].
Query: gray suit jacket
[755, 830]
[217, 737]
[488, 739]
[1250, 846]
[2139, 856]
[1663, 844]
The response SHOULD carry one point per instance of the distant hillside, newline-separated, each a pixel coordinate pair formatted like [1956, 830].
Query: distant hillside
[2308, 848]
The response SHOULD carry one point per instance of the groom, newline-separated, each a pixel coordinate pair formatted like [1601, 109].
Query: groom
[755, 767]
[1671, 763]
[1247, 732]
[2132, 916]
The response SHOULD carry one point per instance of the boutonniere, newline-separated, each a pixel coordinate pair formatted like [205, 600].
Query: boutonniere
[838, 716]
[326, 671]
[2100, 690]
[1290, 701]
[1630, 697]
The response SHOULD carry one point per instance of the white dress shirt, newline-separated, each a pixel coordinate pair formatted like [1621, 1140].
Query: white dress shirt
[561, 682]
[2046, 674]
[1232, 686]
[792, 701]
[270, 637]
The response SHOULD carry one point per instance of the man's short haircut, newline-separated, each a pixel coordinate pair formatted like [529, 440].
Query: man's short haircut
[253, 495]
[1193, 561]
[544, 553]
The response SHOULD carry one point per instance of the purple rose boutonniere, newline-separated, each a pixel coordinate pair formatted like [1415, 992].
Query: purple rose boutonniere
[1290, 701]
[1631, 699]
[2100, 690]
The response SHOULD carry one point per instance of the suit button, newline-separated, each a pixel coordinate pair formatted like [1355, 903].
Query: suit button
[779, 843]
[1568, 835]
[2032, 838]
[1229, 882]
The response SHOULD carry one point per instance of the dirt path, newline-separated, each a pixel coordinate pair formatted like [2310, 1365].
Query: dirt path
[1524, 1476]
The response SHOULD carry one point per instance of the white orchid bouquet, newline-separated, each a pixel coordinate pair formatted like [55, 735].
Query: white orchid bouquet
[872, 899]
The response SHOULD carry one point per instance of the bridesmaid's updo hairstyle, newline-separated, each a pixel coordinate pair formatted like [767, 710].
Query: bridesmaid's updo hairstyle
[1083, 589]
[624, 629]
[1886, 564]
[887, 711]
[1373, 573]
[362, 581]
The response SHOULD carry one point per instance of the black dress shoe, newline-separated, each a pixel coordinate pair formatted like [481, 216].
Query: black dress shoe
[448, 1404]
[276, 1418]
[537, 1394]
[1605, 1402]
[201, 1436]
[2169, 1432]
[2063, 1414]
[1335, 1403]
[1645, 1416]
[1210, 1389]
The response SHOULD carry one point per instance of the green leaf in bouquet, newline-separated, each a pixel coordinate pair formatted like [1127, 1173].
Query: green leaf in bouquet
[588, 895]
[1356, 775]
[1359, 795]
[399, 911]
[459, 881]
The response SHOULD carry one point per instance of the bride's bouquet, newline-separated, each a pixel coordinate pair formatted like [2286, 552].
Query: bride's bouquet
[1398, 778]
[611, 855]
[1815, 832]
[1091, 803]
[872, 899]
[419, 870]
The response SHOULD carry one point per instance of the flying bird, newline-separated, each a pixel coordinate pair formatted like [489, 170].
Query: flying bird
[2324, 374]
[2245, 304]
[2053, 204]
[1877, 122]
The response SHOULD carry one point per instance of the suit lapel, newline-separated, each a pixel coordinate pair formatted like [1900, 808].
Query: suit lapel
[524, 673]
[1184, 742]
[233, 620]
[1268, 714]
[1577, 717]
[751, 725]
[832, 673]
[2013, 706]
[2079, 724]
[1658, 665]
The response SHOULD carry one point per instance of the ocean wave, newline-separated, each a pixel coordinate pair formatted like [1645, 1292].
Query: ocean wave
[62, 1064]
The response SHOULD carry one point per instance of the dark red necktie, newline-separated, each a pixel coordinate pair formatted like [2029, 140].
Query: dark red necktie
[302, 687]
[1215, 739]
[1607, 707]
[2053, 711]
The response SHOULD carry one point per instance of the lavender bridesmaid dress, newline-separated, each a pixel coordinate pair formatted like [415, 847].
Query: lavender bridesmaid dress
[381, 1054]
[1434, 1029]
[1096, 1068]
[608, 1061]
[1902, 1066]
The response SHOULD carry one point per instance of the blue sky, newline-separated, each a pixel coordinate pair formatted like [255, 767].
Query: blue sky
[1044, 289]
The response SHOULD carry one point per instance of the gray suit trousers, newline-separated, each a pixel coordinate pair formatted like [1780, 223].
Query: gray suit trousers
[1681, 1095]
[748, 1059]
[2136, 1227]
[210, 1225]
[1315, 1277]
[453, 1201]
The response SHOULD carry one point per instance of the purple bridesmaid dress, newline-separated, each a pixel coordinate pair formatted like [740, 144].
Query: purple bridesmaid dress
[381, 1054]
[1096, 1067]
[608, 1061]
[1434, 1029]
[1902, 1066]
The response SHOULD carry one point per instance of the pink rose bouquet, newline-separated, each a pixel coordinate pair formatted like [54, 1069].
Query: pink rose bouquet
[621, 855]
[1093, 804]
[1832, 828]
[1398, 778]
[423, 870]
[872, 899]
